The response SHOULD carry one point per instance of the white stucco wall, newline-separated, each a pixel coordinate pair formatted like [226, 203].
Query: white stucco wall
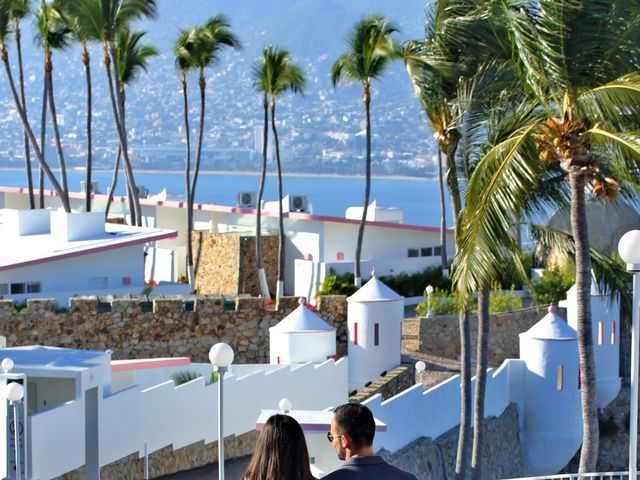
[301, 347]
[164, 414]
[74, 273]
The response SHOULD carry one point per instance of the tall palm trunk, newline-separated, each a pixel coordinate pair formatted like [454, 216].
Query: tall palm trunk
[482, 354]
[462, 456]
[281, 243]
[25, 123]
[89, 165]
[367, 189]
[54, 122]
[27, 151]
[196, 169]
[131, 192]
[443, 218]
[114, 183]
[43, 139]
[452, 179]
[589, 452]
[121, 134]
[262, 277]
[187, 178]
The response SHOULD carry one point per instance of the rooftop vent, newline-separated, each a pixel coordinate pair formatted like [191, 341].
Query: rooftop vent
[247, 199]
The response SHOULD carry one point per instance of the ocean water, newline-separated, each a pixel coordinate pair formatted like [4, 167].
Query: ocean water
[329, 195]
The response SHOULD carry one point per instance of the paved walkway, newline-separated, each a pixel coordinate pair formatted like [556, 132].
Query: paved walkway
[234, 469]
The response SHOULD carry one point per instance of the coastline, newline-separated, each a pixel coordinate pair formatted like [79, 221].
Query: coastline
[243, 173]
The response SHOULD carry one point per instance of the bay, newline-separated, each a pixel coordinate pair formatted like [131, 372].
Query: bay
[329, 195]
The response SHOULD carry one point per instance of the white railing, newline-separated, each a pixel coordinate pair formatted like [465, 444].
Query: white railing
[581, 476]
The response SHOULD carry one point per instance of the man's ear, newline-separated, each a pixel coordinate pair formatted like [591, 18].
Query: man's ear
[346, 441]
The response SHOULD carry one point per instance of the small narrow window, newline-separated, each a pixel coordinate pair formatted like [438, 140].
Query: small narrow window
[437, 251]
[413, 252]
[613, 332]
[278, 362]
[34, 287]
[4, 289]
[340, 256]
[355, 333]
[600, 332]
[17, 288]
[560, 379]
[426, 252]
[376, 334]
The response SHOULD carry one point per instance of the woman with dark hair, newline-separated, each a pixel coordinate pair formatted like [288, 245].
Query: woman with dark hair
[281, 452]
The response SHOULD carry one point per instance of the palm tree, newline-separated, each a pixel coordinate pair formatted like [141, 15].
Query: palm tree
[80, 34]
[5, 19]
[102, 20]
[587, 85]
[18, 10]
[132, 58]
[278, 74]
[200, 49]
[53, 34]
[371, 49]
[260, 84]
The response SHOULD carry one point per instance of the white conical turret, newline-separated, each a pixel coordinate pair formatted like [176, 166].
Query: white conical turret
[552, 420]
[374, 319]
[605, 325]
[302, 336]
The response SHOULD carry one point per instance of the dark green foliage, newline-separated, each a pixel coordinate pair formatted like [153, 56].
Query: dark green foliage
[553, 286]
[509, 276]
[334, 284]
[413, 284]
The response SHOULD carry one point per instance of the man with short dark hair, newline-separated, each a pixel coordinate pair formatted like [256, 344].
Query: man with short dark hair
[352, 431]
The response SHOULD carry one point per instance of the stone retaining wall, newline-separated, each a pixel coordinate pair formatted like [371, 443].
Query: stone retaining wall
[173, 327]
[394, 382]
[225, 264]
[435, 460]
[167, 461]
[440, 334]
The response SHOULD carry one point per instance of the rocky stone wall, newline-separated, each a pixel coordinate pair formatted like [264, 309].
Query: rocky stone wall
[435, 460]
[173, 327]
[440, 335]
[225, 264]
[167, 461]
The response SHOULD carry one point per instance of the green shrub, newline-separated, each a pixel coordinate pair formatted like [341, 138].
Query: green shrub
[504, 300]
[180, 377]
[413, 284]
[442, 303]
[334, 284]
[553, 286]
[184, 376]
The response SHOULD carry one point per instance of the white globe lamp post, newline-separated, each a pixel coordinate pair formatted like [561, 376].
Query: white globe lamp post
[429, 292]
[15, 394]
[220, 356]
[420, 368]
[629, 249]
[285, 405]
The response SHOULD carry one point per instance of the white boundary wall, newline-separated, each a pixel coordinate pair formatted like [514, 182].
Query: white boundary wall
[413, 413]
[164, 414]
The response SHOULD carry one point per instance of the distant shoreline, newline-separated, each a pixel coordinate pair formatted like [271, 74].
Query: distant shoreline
[245, 173]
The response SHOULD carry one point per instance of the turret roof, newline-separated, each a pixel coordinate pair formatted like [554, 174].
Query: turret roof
[551, 327]
[302, 320]
[375, 291]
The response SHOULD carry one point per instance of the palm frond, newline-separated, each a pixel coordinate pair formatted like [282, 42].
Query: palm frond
[609, 273]
[132, 56]
[615, 104]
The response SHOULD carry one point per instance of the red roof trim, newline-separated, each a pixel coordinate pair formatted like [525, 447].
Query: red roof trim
[229, 209]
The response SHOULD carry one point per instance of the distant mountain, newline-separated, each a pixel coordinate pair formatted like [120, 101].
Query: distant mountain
[322, 125]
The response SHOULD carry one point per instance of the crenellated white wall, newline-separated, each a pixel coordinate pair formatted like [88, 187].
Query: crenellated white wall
[164, 414]
[415, 413]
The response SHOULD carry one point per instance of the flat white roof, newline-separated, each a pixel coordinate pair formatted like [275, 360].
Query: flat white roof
[22, 251]
[38, 356]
